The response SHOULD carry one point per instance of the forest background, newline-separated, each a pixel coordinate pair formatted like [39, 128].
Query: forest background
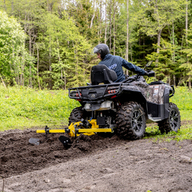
[48, 43]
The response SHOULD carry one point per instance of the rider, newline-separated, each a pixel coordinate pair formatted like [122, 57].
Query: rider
[115, 62]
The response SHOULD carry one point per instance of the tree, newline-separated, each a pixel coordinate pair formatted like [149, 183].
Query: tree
[158, 15]
[187, 61]
[66, 50]
[14, 59]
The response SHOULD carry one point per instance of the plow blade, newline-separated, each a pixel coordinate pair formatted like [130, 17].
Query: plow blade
[34, 141]
[65, 141]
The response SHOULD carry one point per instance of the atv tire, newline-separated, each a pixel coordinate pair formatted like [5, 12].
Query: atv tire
[131, 121]
[173, 122]
[76, 115]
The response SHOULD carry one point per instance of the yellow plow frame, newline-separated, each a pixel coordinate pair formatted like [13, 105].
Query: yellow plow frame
[75, 129]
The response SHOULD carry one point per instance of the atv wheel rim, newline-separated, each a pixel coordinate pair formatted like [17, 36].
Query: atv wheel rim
[174, 120]
[137, 121]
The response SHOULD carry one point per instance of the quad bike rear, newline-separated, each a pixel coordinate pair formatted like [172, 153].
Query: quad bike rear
[123, 107]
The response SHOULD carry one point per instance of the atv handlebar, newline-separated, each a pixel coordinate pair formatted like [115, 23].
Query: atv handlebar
[139, 76]
[150, 73]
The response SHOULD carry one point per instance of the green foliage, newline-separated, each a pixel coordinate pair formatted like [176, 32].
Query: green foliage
[166, 64]
[53, 46]
[13, 55]
[66, 50]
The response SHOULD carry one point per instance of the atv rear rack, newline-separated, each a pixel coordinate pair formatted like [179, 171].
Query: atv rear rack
[94, 92]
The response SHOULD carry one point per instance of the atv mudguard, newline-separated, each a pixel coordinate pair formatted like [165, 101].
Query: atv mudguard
[154, 98]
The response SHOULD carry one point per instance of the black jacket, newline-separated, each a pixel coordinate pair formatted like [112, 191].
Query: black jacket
[116, 62]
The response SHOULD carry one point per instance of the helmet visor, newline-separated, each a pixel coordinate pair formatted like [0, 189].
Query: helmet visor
[95, 50]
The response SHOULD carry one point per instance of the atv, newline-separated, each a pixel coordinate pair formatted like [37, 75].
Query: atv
[122, 108]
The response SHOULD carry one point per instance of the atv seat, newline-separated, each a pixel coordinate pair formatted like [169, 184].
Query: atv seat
[102, 74]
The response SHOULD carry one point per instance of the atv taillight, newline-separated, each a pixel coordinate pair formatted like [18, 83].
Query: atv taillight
[112, 91]
[78, 94]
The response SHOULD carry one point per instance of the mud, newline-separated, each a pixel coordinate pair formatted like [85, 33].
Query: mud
[93, 164]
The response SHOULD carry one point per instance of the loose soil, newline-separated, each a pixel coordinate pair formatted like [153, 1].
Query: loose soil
[98, 164]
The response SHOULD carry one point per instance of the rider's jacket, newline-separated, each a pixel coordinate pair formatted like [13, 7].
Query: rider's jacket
[116, 62]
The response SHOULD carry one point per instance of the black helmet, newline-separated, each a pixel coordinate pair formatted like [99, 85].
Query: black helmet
[103, 49]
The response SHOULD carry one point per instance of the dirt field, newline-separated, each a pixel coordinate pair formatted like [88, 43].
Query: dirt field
[93, 164]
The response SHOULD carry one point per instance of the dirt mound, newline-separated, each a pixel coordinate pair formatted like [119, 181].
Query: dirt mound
[19, 156]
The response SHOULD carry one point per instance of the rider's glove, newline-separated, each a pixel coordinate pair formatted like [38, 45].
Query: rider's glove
[150, 73]
[146, 73]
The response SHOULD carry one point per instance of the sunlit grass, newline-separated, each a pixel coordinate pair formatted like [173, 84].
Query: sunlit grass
[186, 114]
[182, 98]
[24, 107]
[185, 132]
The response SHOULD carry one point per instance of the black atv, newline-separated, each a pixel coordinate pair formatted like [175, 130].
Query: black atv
[123, 107]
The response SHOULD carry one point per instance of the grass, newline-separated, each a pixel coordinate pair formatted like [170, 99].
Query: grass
[22, 107]
[25, 108]
[185, 132]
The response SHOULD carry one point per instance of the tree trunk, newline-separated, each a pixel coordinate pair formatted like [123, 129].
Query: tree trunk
[174, 81]
[127, 41]
[30, 75]
[3, 81]
[114, 32]
[189, 82]
[110, 23]
[94, 3]
[158, 40]
[186, 20]
[12, 7]
[105, 24]
[65, 80]
[5, 6]
[186, 36]
[38, 67]
[158, 43]
[100, 18]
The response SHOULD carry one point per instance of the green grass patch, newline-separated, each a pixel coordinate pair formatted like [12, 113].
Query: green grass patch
[182, 98]
[185, 132]
[24, 107]
[186, 115]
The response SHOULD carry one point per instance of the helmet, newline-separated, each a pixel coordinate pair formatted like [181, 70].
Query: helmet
[103, 49]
